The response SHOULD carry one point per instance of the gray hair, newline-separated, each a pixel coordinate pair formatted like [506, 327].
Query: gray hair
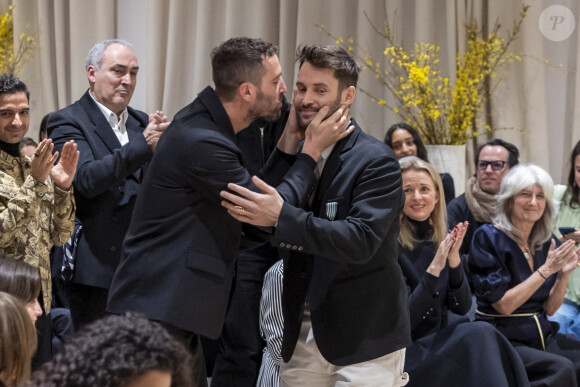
[515, 181]
[95, 55]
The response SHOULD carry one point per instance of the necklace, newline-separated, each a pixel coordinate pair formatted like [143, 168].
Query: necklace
[527, 252]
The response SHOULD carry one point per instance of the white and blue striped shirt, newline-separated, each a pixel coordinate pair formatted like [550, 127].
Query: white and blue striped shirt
[271, 326]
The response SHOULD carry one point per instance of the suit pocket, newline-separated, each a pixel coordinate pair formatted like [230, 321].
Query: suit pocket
[206, 264]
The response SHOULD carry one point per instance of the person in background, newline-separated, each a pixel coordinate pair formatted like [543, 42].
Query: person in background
[520, 275]
[116, 142]
[21, 280]
[453, 353]
[118, 351]
[43, 130]
[477, 205]
[28, 146]
[568, 315]
[405, 141]
[17, 342]
[36, 198]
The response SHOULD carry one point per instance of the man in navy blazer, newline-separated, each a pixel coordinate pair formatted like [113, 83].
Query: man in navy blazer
[181, 248]
[115, 143]
[346, 319]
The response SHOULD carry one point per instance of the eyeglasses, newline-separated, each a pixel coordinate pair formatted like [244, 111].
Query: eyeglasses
[495, 165]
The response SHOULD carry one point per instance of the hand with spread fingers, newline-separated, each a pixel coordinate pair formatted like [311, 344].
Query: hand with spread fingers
[43, 160]
[252, 207]
[63, 173]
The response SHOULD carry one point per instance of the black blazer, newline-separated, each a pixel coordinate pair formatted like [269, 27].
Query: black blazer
[181, 248]
[344, 262]
[106, 183]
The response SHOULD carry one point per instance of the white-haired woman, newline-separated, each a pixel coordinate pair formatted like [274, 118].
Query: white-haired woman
[520, 271]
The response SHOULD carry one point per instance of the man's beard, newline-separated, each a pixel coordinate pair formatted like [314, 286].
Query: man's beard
[265, 108]
[332, 107]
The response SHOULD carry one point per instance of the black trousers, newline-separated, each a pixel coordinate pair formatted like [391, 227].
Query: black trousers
[557, 366]
[193, 342]
[44, 332]
[240, 345]
[87, 303]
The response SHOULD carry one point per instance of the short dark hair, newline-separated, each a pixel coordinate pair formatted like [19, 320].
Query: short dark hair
[9, 84]
[239, 60]
[19, 278]
[43, 127]
[26, 141]
[421, 150]
[513, 152]
[345, 68]
[115, 350]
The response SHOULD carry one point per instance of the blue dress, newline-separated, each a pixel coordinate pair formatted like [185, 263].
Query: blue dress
[497, 264]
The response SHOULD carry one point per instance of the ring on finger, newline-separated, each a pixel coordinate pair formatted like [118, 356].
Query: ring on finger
[241, 210]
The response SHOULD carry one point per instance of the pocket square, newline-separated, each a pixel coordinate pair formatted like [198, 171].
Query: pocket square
[331, 208]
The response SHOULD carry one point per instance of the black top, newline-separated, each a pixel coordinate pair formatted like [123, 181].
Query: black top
[430, 297]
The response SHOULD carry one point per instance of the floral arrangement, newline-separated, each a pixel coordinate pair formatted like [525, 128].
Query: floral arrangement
[442, 110]
[11, 57]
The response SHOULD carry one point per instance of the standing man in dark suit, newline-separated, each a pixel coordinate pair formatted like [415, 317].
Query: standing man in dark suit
[346, 319]
[115, 143]
[181, 248]
[240, 345]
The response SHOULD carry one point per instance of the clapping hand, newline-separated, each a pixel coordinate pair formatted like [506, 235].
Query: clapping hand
[157, 125]
[43, 160]
[63, 173]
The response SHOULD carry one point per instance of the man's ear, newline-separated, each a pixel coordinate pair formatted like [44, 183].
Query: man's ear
[348, 95]
[91, 73]
[247, 91]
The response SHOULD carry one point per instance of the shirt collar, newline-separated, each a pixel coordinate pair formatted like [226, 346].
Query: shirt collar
[111, 117]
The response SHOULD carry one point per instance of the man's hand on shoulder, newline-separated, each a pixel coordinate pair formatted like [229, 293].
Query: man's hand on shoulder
[157, 125]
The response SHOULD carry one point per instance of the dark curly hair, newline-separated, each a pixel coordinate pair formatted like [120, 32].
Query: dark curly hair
[115, 350]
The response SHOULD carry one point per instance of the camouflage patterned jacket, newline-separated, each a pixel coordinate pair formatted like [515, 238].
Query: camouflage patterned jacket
[33, 216]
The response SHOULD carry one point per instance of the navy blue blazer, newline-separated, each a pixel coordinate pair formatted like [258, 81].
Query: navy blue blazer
[181, 248]
[106, 183]
[342, 256]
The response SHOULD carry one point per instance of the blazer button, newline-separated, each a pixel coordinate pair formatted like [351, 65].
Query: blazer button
[288, 246]
[282, 244]
[294, 247]
[300, 248]
[113, 248]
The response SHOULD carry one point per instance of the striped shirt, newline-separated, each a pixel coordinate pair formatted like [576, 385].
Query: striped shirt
[271, 326]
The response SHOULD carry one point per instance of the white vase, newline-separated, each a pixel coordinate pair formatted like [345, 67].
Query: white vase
[449, 159]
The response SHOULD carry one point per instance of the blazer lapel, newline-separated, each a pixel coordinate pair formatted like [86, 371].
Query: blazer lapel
[334, 163]
[101, 126]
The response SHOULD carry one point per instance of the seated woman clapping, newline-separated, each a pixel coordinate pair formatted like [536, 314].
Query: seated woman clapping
[462, 353]
[520, 271]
